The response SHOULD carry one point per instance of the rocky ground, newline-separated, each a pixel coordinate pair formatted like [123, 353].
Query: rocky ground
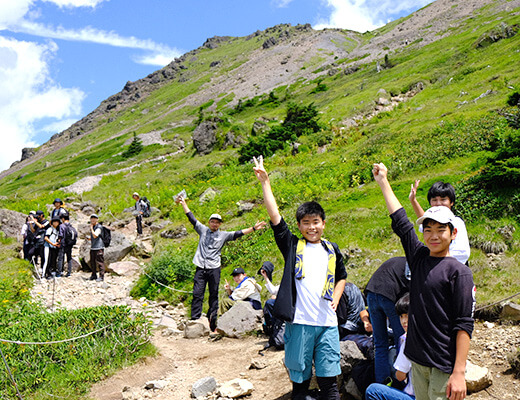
[182, 362]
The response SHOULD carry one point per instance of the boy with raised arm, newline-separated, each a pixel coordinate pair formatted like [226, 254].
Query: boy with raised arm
[442, 299]
[311, 287]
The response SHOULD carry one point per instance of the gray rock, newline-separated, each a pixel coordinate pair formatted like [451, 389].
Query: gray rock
[28, 152]
[259, 128]
[159, 226]
[123, 268]
[156, 385]
[269, 43]
[175, 233]
[88, 210]
[510, 311]
[238, 320]
[205, 137]
[11, 222]
[350, 356]
[244, 206]
[477, 378]
[258, 364]
[196, 328]
[167, 322]
[119, 248]
[203, 387]
[236, 388]
[208, 195]
[129, 393]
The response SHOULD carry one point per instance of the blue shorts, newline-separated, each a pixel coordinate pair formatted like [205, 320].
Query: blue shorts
[305, 344]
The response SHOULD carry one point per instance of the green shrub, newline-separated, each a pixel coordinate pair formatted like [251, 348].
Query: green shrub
[134, 149]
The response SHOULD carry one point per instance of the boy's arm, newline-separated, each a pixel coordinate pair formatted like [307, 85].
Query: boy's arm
[380, 175]
[456, 389]
[269, 200]
[338, 291]
[259, 225]
[413, 199]
[365, 318]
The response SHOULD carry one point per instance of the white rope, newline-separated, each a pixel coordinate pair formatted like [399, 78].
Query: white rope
[54, 341]
[166, 286]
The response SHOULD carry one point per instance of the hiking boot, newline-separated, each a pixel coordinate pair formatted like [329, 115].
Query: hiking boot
[92, 277]
[100, 279]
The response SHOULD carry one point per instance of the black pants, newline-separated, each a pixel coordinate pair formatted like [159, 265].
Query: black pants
[37, 252]
[212, 278]
[51, 263]
[139, 223]
[64, 250]
[97, 259]
[27, 247]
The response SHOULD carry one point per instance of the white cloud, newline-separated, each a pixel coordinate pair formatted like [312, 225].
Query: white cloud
[28, 96]
[161, 54]
[365, 15]
[75, 3]
[281, 3]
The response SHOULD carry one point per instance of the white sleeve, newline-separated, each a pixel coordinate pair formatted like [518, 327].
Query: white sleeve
[402, 363]
[272, 288]
[459, 248]
[97, 232]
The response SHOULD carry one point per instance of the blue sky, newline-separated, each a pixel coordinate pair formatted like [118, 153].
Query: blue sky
[60, 58]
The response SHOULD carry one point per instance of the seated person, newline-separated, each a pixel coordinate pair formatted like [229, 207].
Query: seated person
[402, 365]
[247, 290]
[352, 313]
[273, 327]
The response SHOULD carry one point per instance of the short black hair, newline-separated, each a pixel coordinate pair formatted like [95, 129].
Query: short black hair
[310, 208]
[428, 221]
[402, 305]
[443, 190]
[65, 216]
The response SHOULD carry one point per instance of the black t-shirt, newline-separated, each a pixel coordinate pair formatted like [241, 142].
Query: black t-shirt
[390, 280]
[442, 300]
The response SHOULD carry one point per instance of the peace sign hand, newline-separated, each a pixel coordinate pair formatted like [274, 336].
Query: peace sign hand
[259, 169]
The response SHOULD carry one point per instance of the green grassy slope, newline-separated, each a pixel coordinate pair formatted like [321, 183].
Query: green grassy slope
[443, 132]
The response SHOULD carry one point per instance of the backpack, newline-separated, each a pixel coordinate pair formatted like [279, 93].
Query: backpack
[71, 235]
[106, 236]
[276, 338]
[147, 209]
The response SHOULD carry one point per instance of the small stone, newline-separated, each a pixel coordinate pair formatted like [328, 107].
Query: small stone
[236, 388]
[156, 385]
[258, 364]
[203, 387]
[489, 325]
[477, 378]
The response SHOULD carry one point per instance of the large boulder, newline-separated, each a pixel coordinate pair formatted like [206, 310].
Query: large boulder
[123, 268]
[510, 311]
[196, 328]
[120, 246]
[239, 320]
[205, 137]
[11, 222]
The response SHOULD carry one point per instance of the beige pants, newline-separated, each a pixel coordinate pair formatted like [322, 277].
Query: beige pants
[429, 383]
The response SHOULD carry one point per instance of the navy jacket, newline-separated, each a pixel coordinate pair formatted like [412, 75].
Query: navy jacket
[284, 305]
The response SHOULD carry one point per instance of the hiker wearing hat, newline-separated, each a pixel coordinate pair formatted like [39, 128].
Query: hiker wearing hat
[273, 327]
[51, 246]
[207, 260]
[442, 299]
[140, 207]
[247, 290]
[58, 209]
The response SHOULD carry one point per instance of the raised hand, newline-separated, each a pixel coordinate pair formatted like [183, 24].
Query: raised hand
[413, 190]
[380, 172]
[260, 225]
[259, 169]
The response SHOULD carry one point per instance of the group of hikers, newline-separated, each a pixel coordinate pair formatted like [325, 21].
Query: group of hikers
[413, 323]
[46, 243]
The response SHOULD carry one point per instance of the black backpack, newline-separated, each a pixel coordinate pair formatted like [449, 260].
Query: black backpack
[276, 338]
[106, 236]
[71, 235]
[148, 209]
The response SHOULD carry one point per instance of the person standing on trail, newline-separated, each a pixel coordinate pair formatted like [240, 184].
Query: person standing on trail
[140, 207]
[97, 249]
[207, 260]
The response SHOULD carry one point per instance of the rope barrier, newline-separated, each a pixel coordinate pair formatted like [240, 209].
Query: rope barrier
[11, 375]
[166, 286]
[497, 302]
[54, 341]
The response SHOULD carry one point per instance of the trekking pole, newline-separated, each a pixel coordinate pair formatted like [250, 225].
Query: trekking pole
[10, 374]
[53, 291]
[35, 268]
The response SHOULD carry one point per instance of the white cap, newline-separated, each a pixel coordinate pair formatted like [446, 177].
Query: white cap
[441, 214]
[216, 216]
